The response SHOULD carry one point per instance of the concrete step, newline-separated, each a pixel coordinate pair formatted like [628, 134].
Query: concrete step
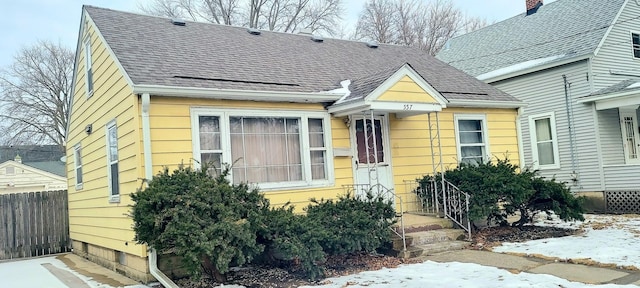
[428, 237]
[429, 249]
[415, 223]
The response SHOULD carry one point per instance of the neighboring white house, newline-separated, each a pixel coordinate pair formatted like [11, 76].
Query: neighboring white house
[16, 177]
[576, 63]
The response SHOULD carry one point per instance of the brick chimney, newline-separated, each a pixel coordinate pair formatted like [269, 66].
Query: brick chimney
[532, 6]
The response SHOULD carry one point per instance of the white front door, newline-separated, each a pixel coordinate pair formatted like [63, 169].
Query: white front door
[371, 153]
[630, 137]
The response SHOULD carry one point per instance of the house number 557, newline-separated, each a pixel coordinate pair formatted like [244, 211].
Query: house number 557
[408, 107]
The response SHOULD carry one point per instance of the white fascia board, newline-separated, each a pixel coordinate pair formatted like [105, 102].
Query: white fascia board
[348, 108]
[485, 104]
[233, 94]
[406, 70]
[535, 68]
[604, 97]
[398, 107]
[630, 99]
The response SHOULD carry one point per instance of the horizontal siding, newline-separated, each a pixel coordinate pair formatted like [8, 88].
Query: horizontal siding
[92, 218]
[544, 92]
[611, 137]
[411, 147]
[616, 52]
[170, 123]
[622, 177]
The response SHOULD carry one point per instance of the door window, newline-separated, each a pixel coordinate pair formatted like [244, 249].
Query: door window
[365, 141]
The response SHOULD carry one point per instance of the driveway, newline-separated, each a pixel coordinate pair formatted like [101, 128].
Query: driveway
[60, 271]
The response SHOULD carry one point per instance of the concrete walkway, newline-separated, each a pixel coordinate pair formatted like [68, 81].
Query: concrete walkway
[516, 264]
[60, 271]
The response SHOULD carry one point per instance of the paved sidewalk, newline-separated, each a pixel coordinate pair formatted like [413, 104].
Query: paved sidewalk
[60, 271]
[516, 264]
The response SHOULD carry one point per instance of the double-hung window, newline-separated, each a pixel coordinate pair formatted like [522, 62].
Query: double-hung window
[112, 162]
[88, 67]
[544, 142]
[471, 137]
[635, 42]
[273, 150]
[77, 162]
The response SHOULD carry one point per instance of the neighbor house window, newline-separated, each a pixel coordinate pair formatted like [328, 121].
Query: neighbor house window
[271, 150]
[544, 142]
[112, 162]
[635, 39]
[77, 160]
[88, 67]
[471, 136]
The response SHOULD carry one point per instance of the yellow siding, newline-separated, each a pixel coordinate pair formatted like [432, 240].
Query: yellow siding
[170, 123]
[406, 90]
[410, 146]
[92, 218]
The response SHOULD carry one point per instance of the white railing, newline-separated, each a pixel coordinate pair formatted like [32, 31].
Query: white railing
[363, 191]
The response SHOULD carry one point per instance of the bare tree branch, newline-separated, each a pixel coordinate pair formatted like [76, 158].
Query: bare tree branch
[35, 93]
[273, 15]
[426, 25]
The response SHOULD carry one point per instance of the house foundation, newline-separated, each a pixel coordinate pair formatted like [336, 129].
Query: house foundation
[132, 266]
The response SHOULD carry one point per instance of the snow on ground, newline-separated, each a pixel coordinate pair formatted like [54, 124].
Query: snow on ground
[607, 239]
[454, 274]
[31, 273]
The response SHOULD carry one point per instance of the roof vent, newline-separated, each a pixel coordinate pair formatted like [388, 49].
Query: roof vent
[317, 38]
[254, 31]
[372, 44]
[178, 22]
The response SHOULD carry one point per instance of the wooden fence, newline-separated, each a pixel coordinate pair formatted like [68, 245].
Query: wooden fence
[34, 224]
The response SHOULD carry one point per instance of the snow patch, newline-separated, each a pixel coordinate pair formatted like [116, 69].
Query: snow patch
[342, 91]
[519, 67]
[634, 85]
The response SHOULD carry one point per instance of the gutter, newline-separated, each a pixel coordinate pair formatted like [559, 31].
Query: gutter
[535, 68]
[235, 94]
[148, 172]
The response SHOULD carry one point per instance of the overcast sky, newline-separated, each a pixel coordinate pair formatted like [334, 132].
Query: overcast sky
[24, 22]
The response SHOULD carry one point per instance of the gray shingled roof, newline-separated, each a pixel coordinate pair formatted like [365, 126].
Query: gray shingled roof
[54, 167]
[565, 27]
[620, 87]
[154, 51]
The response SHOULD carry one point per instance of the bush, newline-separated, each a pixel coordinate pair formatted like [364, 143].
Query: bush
[499, 190]
[353, 224]
[213, 224]
[210, 223]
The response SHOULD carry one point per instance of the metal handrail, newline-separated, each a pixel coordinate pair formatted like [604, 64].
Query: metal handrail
[366, 188]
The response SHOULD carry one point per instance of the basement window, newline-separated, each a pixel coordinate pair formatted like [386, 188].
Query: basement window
[635, 39]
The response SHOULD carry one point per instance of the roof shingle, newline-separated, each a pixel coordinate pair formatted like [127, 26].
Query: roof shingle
[153, 51]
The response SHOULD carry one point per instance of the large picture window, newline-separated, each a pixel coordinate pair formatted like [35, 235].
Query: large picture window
[273, 151]
[544, 142]
[112, 162]
[471, 139]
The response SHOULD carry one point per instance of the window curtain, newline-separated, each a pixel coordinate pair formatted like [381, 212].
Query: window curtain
[544, 142]
[265, 150]
[470, 132]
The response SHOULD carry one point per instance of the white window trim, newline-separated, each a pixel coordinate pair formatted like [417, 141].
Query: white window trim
[632, 48]
[112, 198]
[77, 155]
[634, 113]
[534, 140]
[485, 134]
[224, 115]
[88, 64]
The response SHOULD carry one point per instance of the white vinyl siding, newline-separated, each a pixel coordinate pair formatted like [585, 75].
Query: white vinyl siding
[635, 43]
[471, 138]
[112, 162]
[272, 150]
[77, 162]
[544, 141]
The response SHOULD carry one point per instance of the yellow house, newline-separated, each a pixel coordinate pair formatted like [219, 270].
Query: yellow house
[297, 115]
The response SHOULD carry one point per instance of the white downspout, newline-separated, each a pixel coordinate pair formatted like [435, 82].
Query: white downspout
[519, 135]
[148, 173]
